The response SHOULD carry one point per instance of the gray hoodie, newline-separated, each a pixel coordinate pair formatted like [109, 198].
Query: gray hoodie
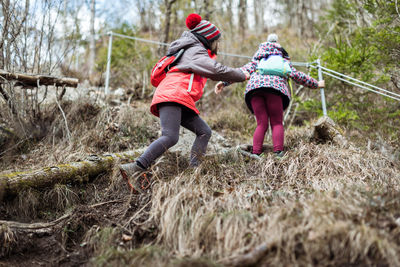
[196, 60]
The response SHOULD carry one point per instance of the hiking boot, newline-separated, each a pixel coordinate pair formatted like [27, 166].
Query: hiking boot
[279, 154]
[136, 177]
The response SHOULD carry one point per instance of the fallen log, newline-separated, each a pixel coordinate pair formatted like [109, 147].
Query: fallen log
[12, 183]
[27, 80]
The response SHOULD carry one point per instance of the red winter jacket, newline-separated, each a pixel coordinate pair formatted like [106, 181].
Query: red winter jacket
[184, 83]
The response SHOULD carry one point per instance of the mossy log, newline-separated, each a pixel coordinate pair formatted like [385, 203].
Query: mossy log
[12, 183]
[326, 130]
[28, 80]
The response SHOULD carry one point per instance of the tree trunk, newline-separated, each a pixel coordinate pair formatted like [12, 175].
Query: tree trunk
[168, 11]
[230, 16]
[207, 11]
[92, 44]
[258, 25]
[4, 33]
[11, 184]
[242, 18]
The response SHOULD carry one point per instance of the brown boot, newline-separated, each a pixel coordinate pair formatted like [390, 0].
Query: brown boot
[135, 176]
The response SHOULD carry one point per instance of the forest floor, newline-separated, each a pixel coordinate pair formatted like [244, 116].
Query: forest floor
[323, 204]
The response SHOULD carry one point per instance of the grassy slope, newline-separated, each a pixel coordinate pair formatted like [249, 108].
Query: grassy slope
[321, 205]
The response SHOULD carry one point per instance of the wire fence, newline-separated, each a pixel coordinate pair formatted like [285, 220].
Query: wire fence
[315, 64]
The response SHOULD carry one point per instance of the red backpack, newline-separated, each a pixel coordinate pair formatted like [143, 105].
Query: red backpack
[161, 68]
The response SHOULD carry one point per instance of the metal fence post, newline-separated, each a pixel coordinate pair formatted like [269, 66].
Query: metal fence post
[322, 89]
[108, 62]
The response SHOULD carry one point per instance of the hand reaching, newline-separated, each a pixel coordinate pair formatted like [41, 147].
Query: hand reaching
[247, 74]
[321, 84]
[219, 87]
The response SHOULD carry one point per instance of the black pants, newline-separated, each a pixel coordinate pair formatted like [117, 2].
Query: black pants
[172, 116]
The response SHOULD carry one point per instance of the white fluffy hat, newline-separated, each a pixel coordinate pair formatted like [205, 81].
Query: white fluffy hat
[273, 38]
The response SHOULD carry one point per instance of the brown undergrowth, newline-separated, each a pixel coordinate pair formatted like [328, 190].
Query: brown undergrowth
[94, 129]
[321, 205]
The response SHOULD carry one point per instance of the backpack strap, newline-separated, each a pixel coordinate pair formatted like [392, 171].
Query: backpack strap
[177, 56]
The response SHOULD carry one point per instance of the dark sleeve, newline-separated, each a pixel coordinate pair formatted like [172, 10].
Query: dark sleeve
[285, 53]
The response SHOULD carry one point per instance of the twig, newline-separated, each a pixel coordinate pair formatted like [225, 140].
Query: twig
[62, 93]
[291, 103]
[65, 118]
[320, 41]
[251, 258]
[139, 211]
[105, 203]
[45, 94]
[11, 148]
[295, 110]
[7, 99]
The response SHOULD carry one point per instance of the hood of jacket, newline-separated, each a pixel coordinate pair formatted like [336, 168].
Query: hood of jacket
[186, 40]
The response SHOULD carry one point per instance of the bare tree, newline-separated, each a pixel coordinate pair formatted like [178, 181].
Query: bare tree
[14, 16]
[258, 16]
[229, 10]
[92, 41]
[206, 9]
[242, 18]
[168, 12]
[29, 44]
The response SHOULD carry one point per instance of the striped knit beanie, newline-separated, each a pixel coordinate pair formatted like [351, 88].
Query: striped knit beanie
[202, 27]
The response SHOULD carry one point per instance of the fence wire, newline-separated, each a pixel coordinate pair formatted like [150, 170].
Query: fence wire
[315, 64]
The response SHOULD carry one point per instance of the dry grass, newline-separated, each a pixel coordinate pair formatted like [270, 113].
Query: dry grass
[62, 196]
[94, 130]
[7, 239]
[319, 205]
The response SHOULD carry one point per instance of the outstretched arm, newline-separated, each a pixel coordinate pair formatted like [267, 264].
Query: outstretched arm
[248, 69]
[302, 78]
[207, 67]
[252, 65]
[220, 85]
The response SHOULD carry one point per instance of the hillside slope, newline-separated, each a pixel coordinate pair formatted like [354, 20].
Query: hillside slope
[322, 204]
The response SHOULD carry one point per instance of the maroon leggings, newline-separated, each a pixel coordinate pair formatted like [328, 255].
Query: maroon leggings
[267, 106]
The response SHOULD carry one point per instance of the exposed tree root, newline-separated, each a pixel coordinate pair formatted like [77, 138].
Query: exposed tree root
[39, 228]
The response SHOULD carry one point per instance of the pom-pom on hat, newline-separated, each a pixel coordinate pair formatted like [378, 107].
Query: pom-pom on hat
[203, 27]
[272, 38]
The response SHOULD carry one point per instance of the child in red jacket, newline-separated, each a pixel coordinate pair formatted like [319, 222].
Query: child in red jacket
[267, 96]
[175, 97]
